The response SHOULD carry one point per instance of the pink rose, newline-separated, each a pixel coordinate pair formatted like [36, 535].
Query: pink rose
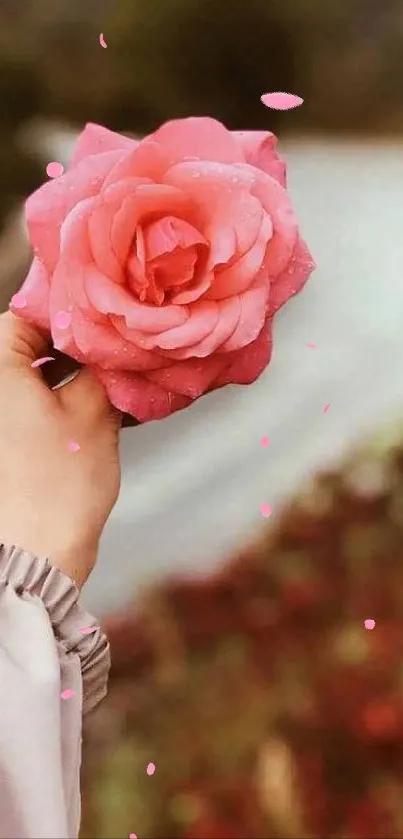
[169, 256]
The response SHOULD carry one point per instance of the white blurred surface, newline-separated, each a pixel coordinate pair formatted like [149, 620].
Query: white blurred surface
[193, 484]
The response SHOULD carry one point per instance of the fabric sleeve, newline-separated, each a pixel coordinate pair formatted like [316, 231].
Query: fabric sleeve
[51, 673]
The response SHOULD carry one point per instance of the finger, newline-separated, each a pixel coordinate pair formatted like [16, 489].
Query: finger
[86, 395]
[20, 342]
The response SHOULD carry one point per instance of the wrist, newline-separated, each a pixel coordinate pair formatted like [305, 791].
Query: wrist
[76, 561]
[71, 554]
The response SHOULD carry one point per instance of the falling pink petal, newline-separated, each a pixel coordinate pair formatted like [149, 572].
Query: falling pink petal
[54, 170]
[151, 769]
[311, 346]
[62, 320]
[88, 630]
[264, 442]
[42, 360]
[326, 408]
[102, 41]
[369, 623]
[265, 510]
[281, 101]
[19, 300]
[67, 694]
[73, 446]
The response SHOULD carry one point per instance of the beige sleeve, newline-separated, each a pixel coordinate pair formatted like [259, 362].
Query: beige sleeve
[42, 654]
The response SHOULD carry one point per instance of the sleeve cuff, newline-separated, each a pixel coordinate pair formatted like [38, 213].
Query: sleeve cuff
[36, 577]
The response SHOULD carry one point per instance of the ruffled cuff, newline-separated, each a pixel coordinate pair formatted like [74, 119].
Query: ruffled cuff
[36, 577]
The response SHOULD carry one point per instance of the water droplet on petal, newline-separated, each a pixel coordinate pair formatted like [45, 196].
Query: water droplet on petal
[62, 320]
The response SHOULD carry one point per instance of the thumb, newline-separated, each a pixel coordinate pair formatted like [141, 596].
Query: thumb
[21, 343]
[86, 395]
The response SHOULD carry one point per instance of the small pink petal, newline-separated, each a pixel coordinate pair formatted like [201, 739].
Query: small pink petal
[311, 346]
[102, 41]
[54, 170]
[151, 769]
[67, 694]
[326, 408]
[42, 360]
[369, 623]
[265, 510]
[62, 320]
[19, 300]
[73, 446]
[88, 630]
[265, 441]
[281, 101]
[132, 836]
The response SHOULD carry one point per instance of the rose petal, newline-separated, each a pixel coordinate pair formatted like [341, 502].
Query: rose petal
[95, 139]
[249, 182]
[230, 313]
[131, 336]
[139, 397]
[200, 137]
[190, 378]
[102, 344]
[43, 360]
[165, 234]
[67, 290]
[259, 149]
[99, 232]
[225, 211]
[277, 204]
[247, 364]
[48, 207]
[293, 278]
[60, 301]
[75, 255]
[146, 160]
[110, 258]
[194, 292]
[131, 203]
[253, 314]
[281, 101]
[36, 292]
[203, 317]
[111, 299]
[239, 276]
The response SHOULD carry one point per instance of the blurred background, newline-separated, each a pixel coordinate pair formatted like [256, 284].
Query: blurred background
[252, 684]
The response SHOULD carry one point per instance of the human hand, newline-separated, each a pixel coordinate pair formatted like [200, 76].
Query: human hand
[53, 502]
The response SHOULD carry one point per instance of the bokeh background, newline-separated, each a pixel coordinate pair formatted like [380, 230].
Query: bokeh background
[242, 666]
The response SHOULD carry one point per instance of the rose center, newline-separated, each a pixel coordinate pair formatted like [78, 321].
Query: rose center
[166, 257]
